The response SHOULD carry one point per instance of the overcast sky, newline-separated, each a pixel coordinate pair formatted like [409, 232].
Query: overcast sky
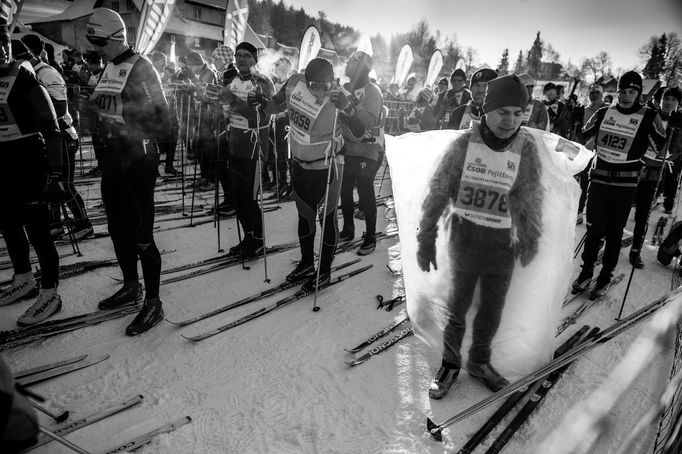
[575, 28]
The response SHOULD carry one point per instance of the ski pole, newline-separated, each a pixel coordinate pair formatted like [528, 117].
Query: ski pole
[666, 147]
[331, 163]
[580, 244]
[260, 188]
[62, 440]
[274, 150]
[58, 418]
[196, 161]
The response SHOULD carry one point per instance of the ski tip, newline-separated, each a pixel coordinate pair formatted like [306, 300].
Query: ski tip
[434, 429]
[63, 417]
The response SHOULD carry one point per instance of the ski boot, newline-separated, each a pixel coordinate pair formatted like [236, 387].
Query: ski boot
[487, 375]
[309, 285]
[149, 316]
[583, 281]
[23, 285]
[302, 270]
[368, 245]
[47, 304]
[636, 260]
[131, 292]
[601, 287]
[443, 380]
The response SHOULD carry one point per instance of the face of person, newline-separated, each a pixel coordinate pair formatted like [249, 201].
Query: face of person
[244, 60]
[457, 83]
[352, 65]
[443, 86]
[627, 97]
[669, 104]
[478, 92]
[550, 95]
[530, 89]
[411, 83]
[319, 89]
[595, 96]
[505, 121]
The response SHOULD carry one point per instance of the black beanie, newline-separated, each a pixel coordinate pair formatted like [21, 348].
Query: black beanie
[20, 51]
[249, 48]
[319, 70]
[505, 91]
[458, 72]
[482, 75]
[34, 44]
[675, 92]
[630, 79]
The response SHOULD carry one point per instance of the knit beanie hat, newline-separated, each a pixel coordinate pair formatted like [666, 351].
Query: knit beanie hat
[319, 70]
[505, 91]
[630, 79]
[675, 92]
[548, 86]
[458, 73]
[34, 43]
[250, 48]
[223, 54]
[482, 75]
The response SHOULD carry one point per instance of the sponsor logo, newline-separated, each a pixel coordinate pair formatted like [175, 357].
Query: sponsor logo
[511, 165]
[122, 73]
[634, 121]
[477, 166]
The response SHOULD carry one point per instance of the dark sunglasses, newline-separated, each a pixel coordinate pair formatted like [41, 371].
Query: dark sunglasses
[318, 85]
[97, 41]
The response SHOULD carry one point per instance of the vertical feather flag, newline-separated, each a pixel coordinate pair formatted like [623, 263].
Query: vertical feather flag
[402, 67]
[235, 22]
[310, 46]
[9, 10]
[153, 19]
[435, 65]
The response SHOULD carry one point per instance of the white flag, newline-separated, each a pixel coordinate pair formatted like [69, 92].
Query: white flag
[310, 46]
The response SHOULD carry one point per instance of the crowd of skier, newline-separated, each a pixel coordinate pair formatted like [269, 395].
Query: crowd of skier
[307, 137]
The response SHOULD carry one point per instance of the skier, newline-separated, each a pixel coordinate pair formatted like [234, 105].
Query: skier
[32, 150]
[535, 115]
[579, 117]
[248, 130]
[558, 113]
[463, 115]
[133, 117]
[483, 228]
[56, 88]
[316, 137]
[421, 117]
[451, 99]
[160, 62]
[672, 118]
[622, 135]
[362, 154]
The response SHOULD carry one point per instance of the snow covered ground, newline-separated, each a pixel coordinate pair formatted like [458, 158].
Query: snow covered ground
[279, 384]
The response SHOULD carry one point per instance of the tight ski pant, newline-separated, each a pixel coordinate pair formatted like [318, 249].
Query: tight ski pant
[309, 190]
[128, 180]
[34, 218]
[361, 171]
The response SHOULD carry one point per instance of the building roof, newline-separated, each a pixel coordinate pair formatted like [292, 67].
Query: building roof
[218, 4]
[77, 10]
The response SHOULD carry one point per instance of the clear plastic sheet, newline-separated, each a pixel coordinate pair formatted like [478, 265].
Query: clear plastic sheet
[525, 338]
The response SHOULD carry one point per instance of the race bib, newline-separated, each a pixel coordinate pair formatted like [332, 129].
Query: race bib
[616, 134]
[9, 130]
[107, 94]
[487, 178]
[240, 88]
[304, 110]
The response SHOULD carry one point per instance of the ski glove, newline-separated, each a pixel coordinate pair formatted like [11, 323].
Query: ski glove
[426, 255]
[255, 97]
[339, 99]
